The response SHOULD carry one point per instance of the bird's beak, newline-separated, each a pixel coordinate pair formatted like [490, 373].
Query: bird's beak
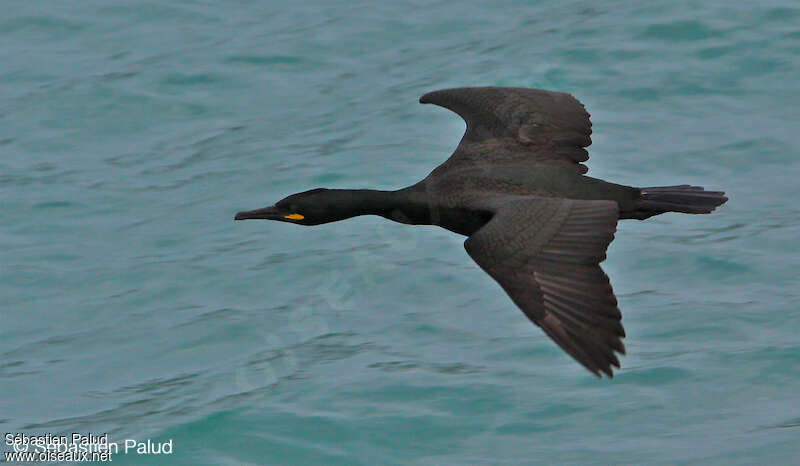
[267, 213]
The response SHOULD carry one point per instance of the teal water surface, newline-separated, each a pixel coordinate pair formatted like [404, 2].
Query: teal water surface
[132, 304]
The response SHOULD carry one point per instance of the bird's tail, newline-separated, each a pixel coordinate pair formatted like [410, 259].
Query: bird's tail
[683, 198]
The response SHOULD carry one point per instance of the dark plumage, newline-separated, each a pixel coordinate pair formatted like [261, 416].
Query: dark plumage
[515, 186]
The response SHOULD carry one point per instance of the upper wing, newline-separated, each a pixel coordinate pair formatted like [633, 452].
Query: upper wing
[545, 253]
[507, 124]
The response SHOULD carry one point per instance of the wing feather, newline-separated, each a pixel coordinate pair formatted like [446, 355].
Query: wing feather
[517, 125]
[552, 272]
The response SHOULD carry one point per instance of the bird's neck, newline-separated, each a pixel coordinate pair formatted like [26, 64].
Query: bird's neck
[404, 205]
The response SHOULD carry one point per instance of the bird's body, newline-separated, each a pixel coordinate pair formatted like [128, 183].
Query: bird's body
[516, 187]
[466, 189]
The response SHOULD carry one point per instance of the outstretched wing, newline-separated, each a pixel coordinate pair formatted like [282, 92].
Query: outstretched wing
[517, 125]
[545, 253]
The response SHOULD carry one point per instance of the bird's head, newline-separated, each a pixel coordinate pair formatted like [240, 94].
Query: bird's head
[312, 207]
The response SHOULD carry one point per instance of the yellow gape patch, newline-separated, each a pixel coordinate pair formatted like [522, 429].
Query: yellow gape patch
[294, 217]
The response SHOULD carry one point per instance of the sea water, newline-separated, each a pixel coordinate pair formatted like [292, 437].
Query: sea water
[132, 305]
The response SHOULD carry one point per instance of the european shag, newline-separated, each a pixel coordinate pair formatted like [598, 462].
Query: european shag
[515, 186]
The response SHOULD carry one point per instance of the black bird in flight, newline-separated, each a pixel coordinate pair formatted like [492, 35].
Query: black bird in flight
[515, 186]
